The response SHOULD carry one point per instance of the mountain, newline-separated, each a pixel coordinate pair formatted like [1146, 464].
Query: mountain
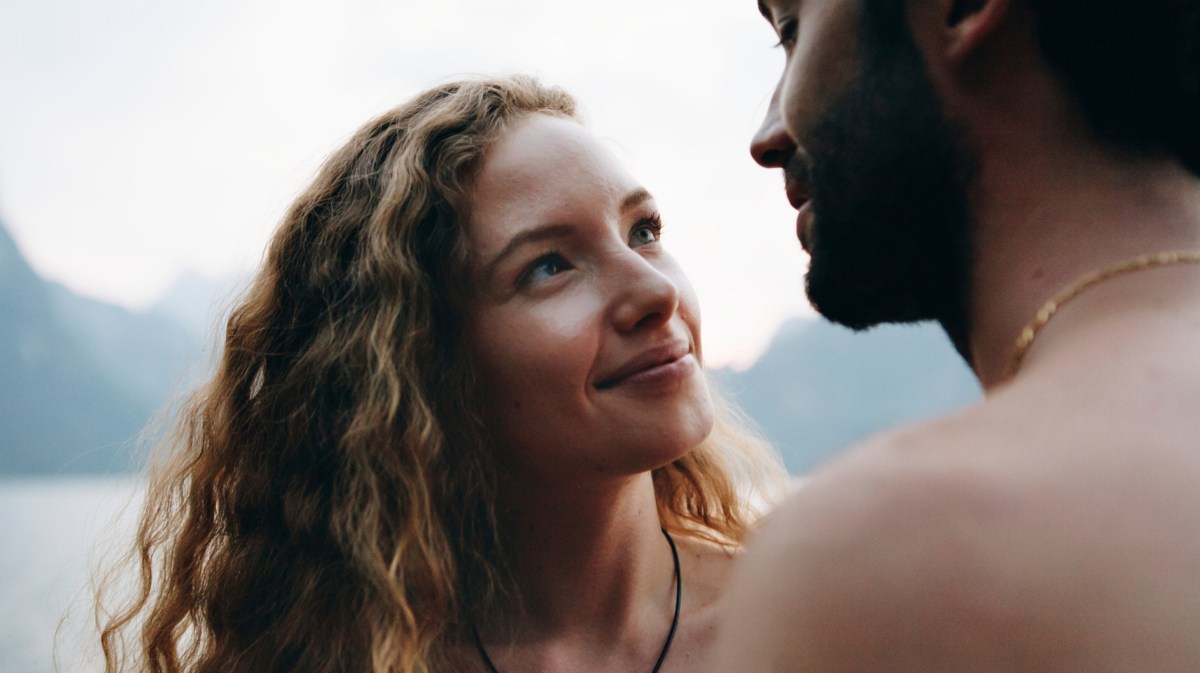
[820, 387]
[78, 378]
[199, 303]
[150, 355]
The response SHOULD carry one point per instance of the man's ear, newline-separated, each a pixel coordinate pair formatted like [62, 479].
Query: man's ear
[970, 22]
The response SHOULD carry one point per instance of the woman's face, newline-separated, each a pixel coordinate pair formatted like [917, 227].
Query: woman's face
[584, 331]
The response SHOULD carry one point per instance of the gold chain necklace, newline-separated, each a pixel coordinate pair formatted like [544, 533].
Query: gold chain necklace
[1047, 311]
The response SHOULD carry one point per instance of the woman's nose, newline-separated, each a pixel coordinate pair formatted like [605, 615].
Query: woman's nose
[646, 296]
[771, 146]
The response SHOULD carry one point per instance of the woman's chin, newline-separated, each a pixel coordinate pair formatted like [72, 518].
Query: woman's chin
[684, 433]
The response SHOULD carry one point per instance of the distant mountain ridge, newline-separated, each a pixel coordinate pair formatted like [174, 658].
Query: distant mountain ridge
[820, 388]
[198, 302]
[80, 378]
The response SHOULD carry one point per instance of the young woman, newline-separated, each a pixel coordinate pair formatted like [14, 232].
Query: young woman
[459, 424]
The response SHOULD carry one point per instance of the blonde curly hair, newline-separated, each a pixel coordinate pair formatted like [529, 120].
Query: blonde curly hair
[327, 502]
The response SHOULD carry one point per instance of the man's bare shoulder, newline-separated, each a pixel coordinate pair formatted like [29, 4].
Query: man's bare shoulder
[893, 558]
[1008, 537]
[943, 471]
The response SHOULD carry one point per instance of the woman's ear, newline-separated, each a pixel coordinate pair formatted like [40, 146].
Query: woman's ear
[968, 23]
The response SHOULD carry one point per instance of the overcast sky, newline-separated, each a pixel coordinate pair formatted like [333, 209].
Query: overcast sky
[143, 138]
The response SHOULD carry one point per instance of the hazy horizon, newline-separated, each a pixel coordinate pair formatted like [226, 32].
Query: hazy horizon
[142, 140]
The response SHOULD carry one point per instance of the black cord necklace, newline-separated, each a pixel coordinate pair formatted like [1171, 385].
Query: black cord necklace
[670, 634]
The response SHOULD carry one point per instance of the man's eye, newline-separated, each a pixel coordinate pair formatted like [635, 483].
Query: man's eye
[787, 34]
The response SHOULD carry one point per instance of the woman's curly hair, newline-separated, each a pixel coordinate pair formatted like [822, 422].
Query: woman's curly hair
[327, 502]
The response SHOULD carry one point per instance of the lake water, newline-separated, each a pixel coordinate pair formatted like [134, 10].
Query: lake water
[53, 532]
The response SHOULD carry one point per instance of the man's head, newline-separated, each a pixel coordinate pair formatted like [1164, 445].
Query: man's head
[883, 175]
[880, 175]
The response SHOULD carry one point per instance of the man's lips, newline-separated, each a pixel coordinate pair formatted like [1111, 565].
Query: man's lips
[797, 193]
[804, 227]
[795, 180]
[646, 361]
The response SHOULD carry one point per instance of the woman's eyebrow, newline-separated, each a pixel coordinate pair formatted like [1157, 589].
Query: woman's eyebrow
[636, 198]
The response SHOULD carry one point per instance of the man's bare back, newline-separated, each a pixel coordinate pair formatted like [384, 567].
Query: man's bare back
[1055, 526]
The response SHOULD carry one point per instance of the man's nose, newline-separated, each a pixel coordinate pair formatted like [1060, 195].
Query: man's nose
[771, 146]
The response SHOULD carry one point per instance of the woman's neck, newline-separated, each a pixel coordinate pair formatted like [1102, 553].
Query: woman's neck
[589, 561]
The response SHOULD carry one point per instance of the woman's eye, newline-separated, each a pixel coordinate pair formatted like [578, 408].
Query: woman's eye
[546, 266]
[645, 232]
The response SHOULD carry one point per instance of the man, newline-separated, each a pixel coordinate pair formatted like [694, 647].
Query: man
[965, 161]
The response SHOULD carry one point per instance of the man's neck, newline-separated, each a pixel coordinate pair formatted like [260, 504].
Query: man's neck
[1045, 219]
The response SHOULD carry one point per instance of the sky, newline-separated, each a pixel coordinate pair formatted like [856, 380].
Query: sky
[144, 139]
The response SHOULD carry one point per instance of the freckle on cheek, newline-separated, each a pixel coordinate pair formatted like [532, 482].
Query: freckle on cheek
[516, 404]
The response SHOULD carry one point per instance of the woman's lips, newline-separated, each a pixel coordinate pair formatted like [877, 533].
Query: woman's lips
[658, 364]
[662, 374]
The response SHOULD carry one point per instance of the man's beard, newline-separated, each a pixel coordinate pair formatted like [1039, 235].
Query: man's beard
[888, 176]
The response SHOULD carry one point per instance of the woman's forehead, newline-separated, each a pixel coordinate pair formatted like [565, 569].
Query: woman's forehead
[544, 167]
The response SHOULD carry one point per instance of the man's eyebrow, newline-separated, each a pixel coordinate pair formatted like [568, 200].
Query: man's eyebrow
[765, 11]
[531, 235]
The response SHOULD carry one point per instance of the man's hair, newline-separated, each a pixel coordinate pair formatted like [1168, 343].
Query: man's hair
[1133, 67]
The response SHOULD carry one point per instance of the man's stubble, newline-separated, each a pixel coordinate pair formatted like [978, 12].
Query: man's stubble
[889, 176]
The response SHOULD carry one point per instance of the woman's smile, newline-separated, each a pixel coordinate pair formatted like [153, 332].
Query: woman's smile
[659, 365]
